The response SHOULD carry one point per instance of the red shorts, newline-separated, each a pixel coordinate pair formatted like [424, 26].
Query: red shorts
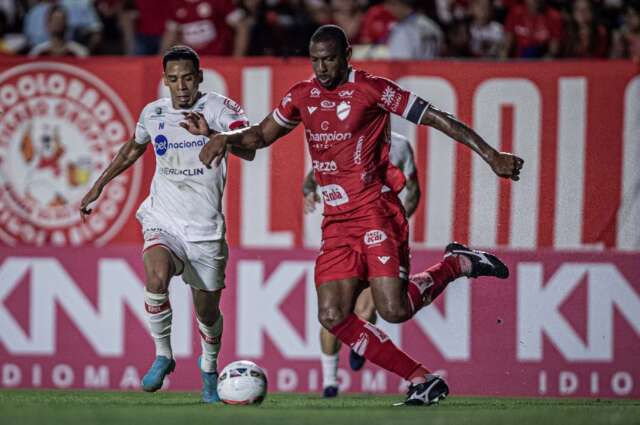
[365, 244]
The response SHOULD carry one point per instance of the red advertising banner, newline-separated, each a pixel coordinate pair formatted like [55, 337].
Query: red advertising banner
[561, 325]
[576, 124]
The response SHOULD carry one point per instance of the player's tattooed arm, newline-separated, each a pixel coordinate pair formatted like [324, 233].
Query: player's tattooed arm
[127, 155]
[504, 164]
[412, 198]
[311, 197]
[253, 137]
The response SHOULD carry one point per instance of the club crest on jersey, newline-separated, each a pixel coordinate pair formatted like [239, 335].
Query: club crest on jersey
[343, 110]
[374, 237]
[315, 92]
[161, 144]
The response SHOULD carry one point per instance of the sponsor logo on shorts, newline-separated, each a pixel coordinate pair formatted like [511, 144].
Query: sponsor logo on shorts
[188, 172]
[60, 126]
[334, 195]
[374, 237]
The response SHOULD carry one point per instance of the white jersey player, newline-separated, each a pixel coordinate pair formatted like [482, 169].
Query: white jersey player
[182, 221]
[400, 155]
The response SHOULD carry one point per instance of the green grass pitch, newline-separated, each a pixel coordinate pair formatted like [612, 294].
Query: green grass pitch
[24, 407]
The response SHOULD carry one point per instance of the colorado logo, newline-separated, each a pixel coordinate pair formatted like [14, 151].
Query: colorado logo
[60, 126]
[374, 237]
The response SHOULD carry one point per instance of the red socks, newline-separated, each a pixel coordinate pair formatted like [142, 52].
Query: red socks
[372, 343]
[425, 287]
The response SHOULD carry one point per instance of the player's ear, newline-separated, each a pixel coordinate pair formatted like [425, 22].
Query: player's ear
[200, 78]
[164, 79]
[348, 55]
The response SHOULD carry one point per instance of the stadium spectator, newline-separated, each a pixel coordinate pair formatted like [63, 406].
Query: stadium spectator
[111, 14]
[586, 38]
[10, 43]
[204, 25]
[34, 27]
[534, 30]
[348, 15]
[57, 45]
[626, 40]
[377, 23]
[487, 36]
[143, 24]
[414, 35]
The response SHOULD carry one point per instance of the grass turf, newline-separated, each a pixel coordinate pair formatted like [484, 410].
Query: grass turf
[24, 407]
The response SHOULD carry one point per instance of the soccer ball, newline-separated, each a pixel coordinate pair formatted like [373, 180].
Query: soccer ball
[242, 382]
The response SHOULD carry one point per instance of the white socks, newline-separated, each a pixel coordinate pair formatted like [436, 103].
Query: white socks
[210, 339]
[159, 315]
[329, 369]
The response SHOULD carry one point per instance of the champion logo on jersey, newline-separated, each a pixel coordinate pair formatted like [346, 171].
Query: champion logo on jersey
[343, 110]
[311, 109]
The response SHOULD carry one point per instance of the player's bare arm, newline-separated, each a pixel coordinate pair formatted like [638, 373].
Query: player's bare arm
[195, 123]
[128, 154]
[503, 164]
[413, 196]
[311, 197]
[254, 137]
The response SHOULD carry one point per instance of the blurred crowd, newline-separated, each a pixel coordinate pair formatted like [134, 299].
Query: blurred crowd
[392, 29]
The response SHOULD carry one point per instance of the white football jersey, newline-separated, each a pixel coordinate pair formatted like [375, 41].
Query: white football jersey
[401, 155]
[185, 195]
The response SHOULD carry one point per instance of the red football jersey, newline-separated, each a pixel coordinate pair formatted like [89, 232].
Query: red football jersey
[347, 130]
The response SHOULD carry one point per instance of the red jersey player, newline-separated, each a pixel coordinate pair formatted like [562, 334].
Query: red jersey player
[346, 115]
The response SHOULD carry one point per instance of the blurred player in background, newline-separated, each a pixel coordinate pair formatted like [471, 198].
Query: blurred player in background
[346, 114]
[400, 155]
[182, 221]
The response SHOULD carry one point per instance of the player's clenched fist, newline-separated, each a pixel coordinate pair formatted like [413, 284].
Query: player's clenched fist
[507, 165]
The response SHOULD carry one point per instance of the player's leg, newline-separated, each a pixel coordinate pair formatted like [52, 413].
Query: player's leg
[330, 348]
[366, 310]
[205, 273]
[458, 261]
[160, 265]
[210, 326]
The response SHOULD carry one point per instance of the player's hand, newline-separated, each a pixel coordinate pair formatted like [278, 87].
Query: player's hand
[90, 197]
[214, 150]
[507, 165]
[310, 201]
[195, 123]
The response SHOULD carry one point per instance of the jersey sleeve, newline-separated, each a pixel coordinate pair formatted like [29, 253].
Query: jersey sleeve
[287, 114]
[390, 97]
[225, 115]
[141, 135]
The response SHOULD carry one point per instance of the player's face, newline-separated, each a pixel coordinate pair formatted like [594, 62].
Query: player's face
[183, 80]
[329, 64]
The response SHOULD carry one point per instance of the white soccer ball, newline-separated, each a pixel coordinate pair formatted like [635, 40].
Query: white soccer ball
[242, 382]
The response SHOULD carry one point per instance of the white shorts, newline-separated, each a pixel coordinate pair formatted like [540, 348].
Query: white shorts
[202, 264]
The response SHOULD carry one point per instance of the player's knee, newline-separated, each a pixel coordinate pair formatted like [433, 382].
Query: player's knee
[330, 317]
[158, 280]
[394, 313]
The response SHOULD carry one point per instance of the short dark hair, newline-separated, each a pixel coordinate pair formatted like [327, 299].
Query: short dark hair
[331, 33]
[181, 53]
